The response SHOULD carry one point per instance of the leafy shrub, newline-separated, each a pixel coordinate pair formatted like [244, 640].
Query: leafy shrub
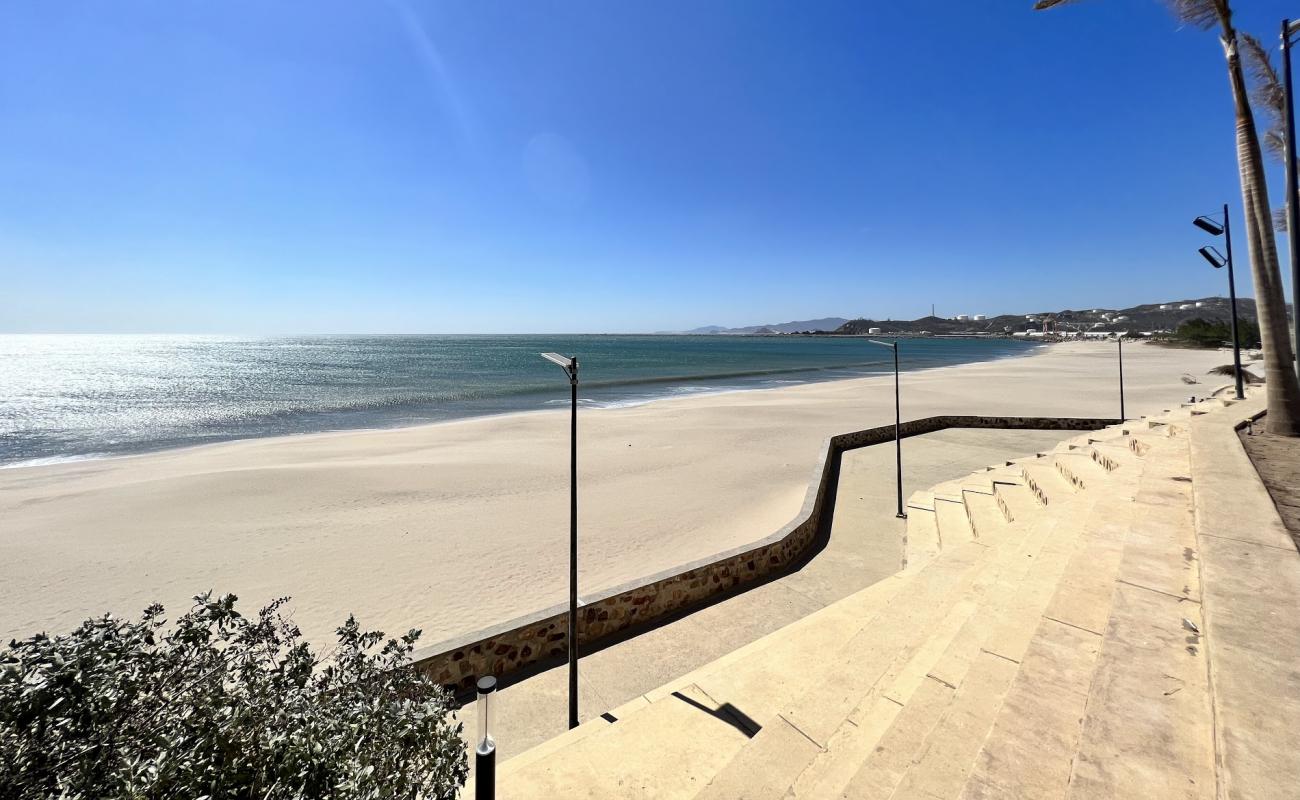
[221, 706]
[1215, 333]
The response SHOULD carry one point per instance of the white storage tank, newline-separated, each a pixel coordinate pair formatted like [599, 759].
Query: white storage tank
[963, 317]
[873, 330]
[979, 317]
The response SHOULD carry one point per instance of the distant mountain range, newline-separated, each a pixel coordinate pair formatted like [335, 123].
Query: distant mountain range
[824, 325]
[1146, 317]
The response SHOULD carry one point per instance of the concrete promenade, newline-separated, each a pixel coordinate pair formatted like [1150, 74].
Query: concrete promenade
[1114, 617]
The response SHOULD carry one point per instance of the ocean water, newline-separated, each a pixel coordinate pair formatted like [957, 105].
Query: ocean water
[74, 396]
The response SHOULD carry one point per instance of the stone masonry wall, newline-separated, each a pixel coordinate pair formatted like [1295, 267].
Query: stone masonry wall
[543, 636]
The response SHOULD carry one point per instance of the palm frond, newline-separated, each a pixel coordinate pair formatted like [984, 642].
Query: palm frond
[1275, 143]
[1279, 220]
[1043, 5]
[1228, 369]
[1259, 63]
[1267, 90]
[1204, 14]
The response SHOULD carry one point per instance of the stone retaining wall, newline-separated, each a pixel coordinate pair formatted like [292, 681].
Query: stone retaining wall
[542, 636]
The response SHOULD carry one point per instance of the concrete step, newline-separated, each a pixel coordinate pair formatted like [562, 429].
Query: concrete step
[1030, 748]
[1117, 453]
[928, 749]
[921, 499]
[923, 542]
[1111, 698]
[655, 753]
[1017, 501]
[1079, 468]
[954, 521]
[986, 518]
[766, 671]
[1046, 481]
[944, 604]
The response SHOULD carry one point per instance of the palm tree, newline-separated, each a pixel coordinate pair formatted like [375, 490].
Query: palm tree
[1283, 389]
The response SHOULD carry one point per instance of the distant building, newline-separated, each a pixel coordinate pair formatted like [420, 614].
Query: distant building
[979, 317]
[1164, 306]
[962, 317]
[1186, 306]
[1121, 318]
[1199, 303]
[873, 330]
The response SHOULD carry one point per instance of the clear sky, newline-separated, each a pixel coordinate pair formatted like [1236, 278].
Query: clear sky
[404, 166]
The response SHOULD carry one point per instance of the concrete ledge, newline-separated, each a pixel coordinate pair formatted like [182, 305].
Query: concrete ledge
[1251, 598]
[542, 637]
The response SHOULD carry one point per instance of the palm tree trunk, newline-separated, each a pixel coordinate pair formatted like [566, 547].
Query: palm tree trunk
[1283, 389]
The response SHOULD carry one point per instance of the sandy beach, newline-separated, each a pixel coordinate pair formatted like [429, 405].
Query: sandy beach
[455, 526]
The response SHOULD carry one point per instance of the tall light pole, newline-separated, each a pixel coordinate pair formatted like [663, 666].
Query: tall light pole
[1219, 261]
[898, 425]
[1289, 29]
[1119, 340]
[570, 367]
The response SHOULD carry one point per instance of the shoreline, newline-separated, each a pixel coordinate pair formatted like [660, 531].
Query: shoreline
[57, 461]
[452, 527]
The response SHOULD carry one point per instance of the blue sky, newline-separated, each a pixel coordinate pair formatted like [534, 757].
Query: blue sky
[601, 166]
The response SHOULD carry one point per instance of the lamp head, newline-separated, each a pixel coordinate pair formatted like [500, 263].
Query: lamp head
[557, 359]
[1208, 225]
[1213, 256]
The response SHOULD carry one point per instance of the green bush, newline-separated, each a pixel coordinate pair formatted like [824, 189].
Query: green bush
[221, 706]
[1215, 333]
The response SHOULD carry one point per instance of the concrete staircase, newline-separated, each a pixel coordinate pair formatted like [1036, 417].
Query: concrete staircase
[1042, 639]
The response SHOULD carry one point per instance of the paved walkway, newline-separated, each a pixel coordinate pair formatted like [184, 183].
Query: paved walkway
[866, 545]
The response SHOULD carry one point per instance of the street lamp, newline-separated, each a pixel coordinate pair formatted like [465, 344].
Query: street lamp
[485, 750]
[1119, 340]
[570, 367]
[1289, 29]
[1218, 261]
[898, 439]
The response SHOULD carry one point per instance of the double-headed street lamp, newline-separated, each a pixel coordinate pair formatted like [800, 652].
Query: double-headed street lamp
[898, 439]
[570, 367]
[1218, 261]
[1289, 29]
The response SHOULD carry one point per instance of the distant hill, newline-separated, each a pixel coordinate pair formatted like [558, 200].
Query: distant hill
[1146, 317]
[825, 325]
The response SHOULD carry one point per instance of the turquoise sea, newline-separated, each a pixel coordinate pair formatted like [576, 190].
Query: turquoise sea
[79, 396]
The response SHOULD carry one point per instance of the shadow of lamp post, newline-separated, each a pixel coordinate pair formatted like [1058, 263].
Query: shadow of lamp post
[1218, 261]
[898, 439]
[570, 367]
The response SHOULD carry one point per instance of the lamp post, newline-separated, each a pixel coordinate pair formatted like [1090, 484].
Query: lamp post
[485, 750]
[1218, 261]
[570, 367]
[1119, 340]
[1289, 28]
[898, 439]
